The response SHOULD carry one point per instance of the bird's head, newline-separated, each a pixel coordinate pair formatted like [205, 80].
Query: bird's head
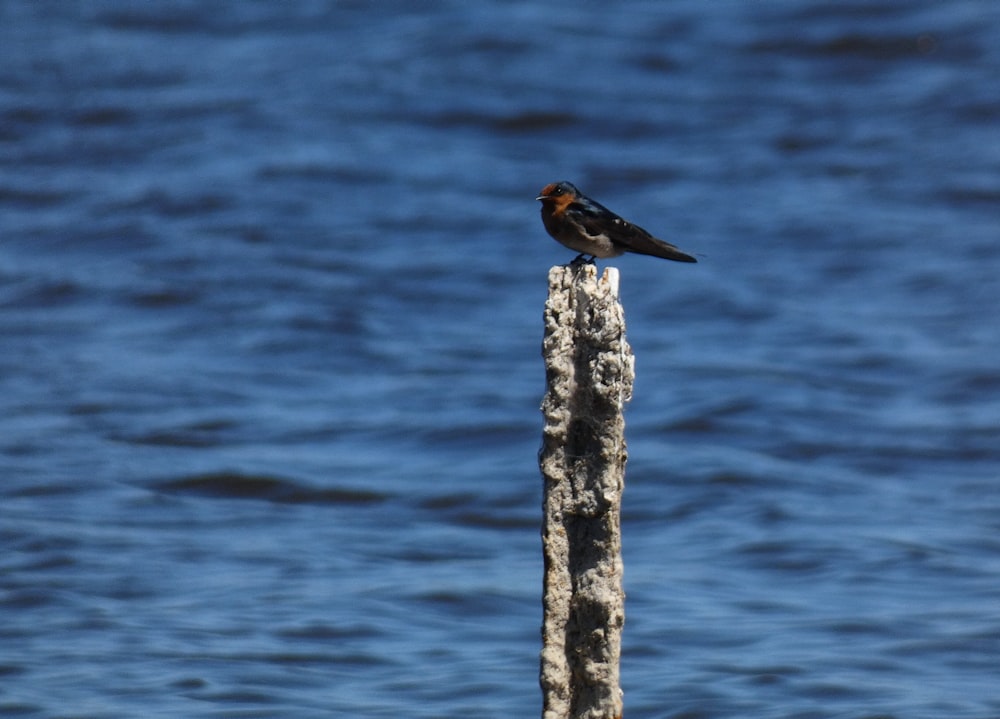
[564, 191]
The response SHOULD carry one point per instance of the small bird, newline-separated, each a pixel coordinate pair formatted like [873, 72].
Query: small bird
[590, 228]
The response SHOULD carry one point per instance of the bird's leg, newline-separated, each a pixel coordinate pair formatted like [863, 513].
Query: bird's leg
[584, 259]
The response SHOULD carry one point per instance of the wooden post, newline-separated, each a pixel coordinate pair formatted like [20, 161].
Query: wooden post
[589, 370]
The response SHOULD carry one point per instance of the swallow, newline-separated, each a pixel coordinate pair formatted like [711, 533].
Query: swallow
[590, 228]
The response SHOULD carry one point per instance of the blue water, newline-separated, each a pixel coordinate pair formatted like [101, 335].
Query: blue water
[271, 288]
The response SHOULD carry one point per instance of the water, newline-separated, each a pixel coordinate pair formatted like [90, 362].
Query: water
[271, 283]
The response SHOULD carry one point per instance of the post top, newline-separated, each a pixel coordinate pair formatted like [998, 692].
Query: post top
[610, 279]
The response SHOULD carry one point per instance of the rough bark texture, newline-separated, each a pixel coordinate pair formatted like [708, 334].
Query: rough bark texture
[589, 372]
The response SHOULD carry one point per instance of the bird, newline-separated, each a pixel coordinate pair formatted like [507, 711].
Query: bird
[590, 228]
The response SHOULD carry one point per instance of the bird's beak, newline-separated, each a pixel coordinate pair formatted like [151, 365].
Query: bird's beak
[542, 197]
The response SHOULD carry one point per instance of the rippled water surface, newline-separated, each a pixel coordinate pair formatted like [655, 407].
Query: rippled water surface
[271, 283]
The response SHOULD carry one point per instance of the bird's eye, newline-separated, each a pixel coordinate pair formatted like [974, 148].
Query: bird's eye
[557, 191]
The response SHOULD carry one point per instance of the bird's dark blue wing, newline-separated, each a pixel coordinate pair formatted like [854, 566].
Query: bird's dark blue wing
[596, 220]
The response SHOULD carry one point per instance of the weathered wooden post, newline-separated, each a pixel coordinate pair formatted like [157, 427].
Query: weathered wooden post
[589, 371]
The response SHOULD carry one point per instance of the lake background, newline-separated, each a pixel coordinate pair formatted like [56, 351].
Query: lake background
[271, 289]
